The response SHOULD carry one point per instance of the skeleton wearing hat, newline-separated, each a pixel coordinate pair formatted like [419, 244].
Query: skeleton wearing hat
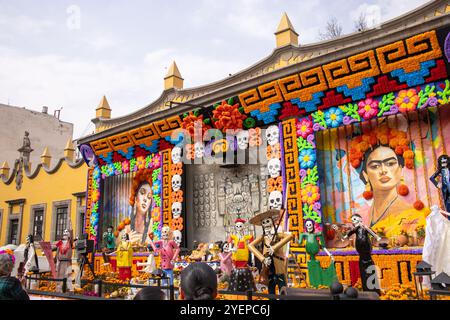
[64, 258]
[241, 277]
[273, 255]
[363, 245]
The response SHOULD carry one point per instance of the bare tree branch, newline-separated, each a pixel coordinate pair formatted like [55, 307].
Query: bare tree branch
[361, 23]
[333, 30]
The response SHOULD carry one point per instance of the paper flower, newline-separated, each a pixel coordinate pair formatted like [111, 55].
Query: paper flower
[304, 128]
[407, 100]
[254, 137]
[333, 117]
[177, 168]
[273, 152]
[368, 108]
[227, 116]
[275, 184]
[177, 196]
[310, 194]
[307, 158]
[156, 188]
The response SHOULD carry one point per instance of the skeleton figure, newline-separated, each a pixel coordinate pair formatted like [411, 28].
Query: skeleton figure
[275, 200]
[443, 173]
[64, 259]
[30, 257]
[199, 150]
[241, 276]
[226, 263]
[168, 251]
[363, 245]
[176, 182]
[273, 255]
[272, 135]
[242, 139]
[274, 167]
[176, 155]
[314, 241]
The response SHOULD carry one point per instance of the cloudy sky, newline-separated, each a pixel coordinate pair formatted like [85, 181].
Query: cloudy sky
[69, 53]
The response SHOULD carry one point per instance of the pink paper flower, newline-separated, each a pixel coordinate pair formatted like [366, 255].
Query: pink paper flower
[368, 108]
[304, 128]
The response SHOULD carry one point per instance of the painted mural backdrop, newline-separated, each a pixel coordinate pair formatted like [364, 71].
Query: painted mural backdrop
[380, 169]
[401, 79]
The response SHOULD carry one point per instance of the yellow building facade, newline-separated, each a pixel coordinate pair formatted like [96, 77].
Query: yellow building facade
[42, 201]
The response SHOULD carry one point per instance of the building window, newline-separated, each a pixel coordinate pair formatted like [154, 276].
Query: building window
[61, 221]
[38, 224]
[14, 231]
[81, 223]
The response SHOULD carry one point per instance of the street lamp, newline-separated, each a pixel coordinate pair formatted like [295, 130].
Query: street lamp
[423, 269]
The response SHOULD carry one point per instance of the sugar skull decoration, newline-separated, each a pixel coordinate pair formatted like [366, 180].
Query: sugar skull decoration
[176, 182]
[275, 200]
[176, 155]
[242, 139]
[274, 167]
[272, 135]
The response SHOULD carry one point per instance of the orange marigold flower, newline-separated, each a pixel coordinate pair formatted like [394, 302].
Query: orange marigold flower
[356, 163]
[409, 163]
[418, 205]
[177, 168]
[275, 184]
[399, 150]
[393, 142]
[383, 139]
[273, 152]
[403, 190]
[364, 146]
[408, 154]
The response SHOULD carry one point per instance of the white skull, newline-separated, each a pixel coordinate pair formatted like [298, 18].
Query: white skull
[267, 225]
[309, 226]
[274, 166]
[275, 199]
[239, 226]
[226, 247]
[272, 135]
[176, 182]
[177, 237]
[176, 154]
[199, 150]
[176, 210]
[356, 220]
[165, 233]
[242, 139]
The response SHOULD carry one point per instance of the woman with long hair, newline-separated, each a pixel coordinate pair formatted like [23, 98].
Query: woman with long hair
[141, 200]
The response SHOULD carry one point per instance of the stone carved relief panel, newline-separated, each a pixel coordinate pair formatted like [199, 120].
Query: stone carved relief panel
[222, 194]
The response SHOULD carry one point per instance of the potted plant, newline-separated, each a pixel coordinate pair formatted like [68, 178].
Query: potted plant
[402, 238]
[420, 231]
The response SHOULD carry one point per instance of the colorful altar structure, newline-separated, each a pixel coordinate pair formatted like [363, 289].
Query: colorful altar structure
[315, 110]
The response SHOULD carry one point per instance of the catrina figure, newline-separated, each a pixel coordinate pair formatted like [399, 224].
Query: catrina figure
[315, 240]
[363, 244]
[441, 179]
